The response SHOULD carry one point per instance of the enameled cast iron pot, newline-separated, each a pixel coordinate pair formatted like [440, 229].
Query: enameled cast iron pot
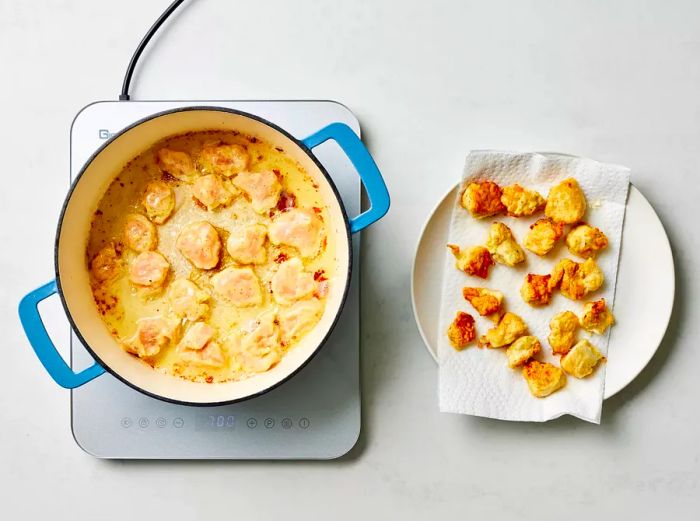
[72, 279]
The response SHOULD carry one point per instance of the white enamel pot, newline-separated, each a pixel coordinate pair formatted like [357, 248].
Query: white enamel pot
[72, 279]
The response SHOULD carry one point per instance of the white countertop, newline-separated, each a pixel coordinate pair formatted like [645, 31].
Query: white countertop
[617, 82]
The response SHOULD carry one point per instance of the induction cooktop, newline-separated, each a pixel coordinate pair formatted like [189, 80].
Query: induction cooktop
[314, 415]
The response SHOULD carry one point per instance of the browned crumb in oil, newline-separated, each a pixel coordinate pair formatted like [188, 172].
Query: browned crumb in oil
[286, 201]
[105, 302]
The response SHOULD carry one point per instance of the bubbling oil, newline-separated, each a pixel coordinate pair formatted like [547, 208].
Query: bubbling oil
[122, 304]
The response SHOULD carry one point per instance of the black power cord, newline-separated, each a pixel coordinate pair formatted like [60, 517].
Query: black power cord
[124, 96]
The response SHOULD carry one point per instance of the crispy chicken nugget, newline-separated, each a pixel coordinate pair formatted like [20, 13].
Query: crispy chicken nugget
[597, 317]
[509, 328]
[502, 245]
[581, 360]
[577, 280]
[543, 235]
[543, 378]
[566, 202]
[475, 261]
[536, 289]
[482, 199]
[462, 331]
[485, 301]
[586, 241]
[562, 336]
[521, 202]
[522, 350]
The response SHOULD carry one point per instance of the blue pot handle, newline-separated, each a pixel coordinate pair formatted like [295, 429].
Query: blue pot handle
[366, 167]
[52, 361]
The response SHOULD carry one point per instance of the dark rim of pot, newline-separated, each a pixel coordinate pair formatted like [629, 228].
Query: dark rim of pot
[313, 158]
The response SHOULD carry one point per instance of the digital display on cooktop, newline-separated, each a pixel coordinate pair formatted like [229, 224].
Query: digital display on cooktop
[216, 422]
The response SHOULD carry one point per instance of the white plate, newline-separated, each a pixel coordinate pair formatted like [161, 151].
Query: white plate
[643, 299]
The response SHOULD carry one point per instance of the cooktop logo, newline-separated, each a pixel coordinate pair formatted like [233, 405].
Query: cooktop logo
[105, 134]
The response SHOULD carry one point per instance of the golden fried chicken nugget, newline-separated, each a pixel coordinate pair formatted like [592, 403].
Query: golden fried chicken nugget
[597, 317]
[502, 245]
[543, 235]
[521, 202]
[565, 267]
[509, 328]
[543, 378]
[106, 264]
[223, 159]
[581, 360]
[482, 199]
[586, 241]
[566, 202]
[177, 164]
[462, 331]
[149, 269]
[158, 201]
[139, 233]
[485, 301]
[536, 289]
[562, 336]
[475, 261]
[577, 280]
[522, 350]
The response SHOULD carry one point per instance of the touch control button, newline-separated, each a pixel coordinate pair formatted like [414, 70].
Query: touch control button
[252, 423]
[269, 423]
[304, 423]
[143, 422]
[126, 422]
[286, 423]
[178, 423]
[161, 422]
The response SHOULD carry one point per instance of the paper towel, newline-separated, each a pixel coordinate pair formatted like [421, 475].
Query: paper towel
[478, 381]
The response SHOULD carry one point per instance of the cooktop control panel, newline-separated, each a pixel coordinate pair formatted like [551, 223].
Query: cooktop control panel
[215, 423]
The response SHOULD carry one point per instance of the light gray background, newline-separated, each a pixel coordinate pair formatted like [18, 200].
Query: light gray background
[616, 81]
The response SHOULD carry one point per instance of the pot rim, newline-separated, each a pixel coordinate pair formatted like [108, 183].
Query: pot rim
[311, 156]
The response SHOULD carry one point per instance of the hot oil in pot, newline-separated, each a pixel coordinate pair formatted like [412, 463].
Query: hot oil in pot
[246, 338]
